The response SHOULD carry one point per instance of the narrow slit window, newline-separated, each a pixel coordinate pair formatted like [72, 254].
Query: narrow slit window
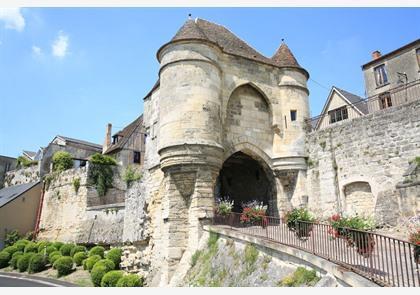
[293, 115]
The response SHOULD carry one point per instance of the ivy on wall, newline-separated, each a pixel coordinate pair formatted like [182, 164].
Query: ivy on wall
[101, 173]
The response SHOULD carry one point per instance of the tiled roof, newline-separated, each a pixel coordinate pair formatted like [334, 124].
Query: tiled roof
[10, 193]
[83, 142]
[30, 154]
[355, 100]
[200, 29]
[284, 57]
[125, 134]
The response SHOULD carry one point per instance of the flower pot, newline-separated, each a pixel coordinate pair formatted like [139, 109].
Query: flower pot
[301, 229]
[364, 243]
[416, 253]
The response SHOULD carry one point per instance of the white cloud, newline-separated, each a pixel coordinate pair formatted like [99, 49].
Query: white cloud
[36, 50]
[12, 18]
[60, 45]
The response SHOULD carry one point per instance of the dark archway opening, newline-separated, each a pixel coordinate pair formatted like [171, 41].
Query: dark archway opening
[244, 179]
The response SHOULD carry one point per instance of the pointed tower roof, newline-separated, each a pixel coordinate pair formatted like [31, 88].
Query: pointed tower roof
[284, 57]
[189, 30]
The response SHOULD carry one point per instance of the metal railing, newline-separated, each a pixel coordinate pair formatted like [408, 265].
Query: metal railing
[396, 96]
[385, 260]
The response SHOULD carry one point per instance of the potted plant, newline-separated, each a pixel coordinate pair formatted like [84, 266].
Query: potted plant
[300, 221]
[254, 213]
[415, 239]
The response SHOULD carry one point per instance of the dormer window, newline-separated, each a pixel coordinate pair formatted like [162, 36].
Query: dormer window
[338, 114]
[381, 76]
[115, 139]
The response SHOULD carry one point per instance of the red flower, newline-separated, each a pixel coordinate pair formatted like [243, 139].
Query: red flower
[335, 217]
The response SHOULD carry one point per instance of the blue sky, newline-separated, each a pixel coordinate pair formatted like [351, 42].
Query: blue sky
[70, 71]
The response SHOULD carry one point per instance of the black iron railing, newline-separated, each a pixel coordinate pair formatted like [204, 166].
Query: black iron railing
[384, 260]
[396, 96]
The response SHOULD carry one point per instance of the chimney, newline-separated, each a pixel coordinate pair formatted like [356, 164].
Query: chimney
[107, 142]
[376, 54]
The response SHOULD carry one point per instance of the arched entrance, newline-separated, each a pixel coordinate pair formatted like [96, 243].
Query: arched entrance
[244, 179]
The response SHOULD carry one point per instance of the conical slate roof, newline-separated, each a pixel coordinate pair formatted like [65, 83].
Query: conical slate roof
[284, 57]
[200, 29]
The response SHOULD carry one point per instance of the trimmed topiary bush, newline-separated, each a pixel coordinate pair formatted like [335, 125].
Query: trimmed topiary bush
[37, 263]
[64, 265]
[77, 249]
[130, 280]
[11, 249]
[42, 245]
[79, 257]
[57, 245]
[66, 249]
[31, 247]
[50, 249]
[97, 250]
[54, 258]
[90, 262]
[21, 244]
[111, 278]
[23, 261]
[115, 255]
[54, 253]
[13, 261]
[97, 274]
[107, 263]
[4, 259]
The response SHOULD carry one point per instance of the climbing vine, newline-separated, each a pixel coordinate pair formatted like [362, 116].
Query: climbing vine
[101, 173]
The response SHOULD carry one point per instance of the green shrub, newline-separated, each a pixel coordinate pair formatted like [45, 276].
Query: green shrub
[11, 249]
[76, 184]
[4, 258]
[54, 258]
[57, 245]
[301, 277]
[21, 244]
[130, 280]
[56, 252]
[11, 238]
[105, 262]
[111, 278]
[77, 249]
[25, 162]
[37, 263]
[90, 262]
[195, 257]
[42, 245]
[115, 255]
[101, 173]
[63, 265]
[31, 247]
[97, 250]
[130, 175]
[97, 274]
[62, 161]
[66, 249]
[79, 257]
[23, 261]
[13, 261]
[50, 249]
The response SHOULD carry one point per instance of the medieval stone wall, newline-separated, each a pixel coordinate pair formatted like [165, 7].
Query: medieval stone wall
[355, 166]
[82, 216]
[21, 176]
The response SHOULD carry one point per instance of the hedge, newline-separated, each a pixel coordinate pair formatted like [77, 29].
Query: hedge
[66, 249]
[111, 278]
[23, 261]
[90, 262]
[79, 257]
[115, 255]
[130, 280]
[37, 263]
[77, 249]
[31, 247]
[4, 258]
[64, 265]
[97, 250]
[13, 261]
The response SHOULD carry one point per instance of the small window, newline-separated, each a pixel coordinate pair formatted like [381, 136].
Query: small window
[418, 56]
[385, 100]
[114, 139]
[293, 115]
[338, 114]
[136, 157]
[381, 76]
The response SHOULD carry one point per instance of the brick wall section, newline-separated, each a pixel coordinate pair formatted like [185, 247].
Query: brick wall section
[375, 149]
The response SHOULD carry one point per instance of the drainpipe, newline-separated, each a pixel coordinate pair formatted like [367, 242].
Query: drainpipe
[38, 215]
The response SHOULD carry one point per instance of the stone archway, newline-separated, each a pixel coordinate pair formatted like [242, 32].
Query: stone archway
[243, 178]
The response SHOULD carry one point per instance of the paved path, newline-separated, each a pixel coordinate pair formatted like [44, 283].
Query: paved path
[22, 280]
